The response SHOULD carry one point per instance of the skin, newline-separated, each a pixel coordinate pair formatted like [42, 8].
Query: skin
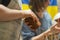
[7, 14]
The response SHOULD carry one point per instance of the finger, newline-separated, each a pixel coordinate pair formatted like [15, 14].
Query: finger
[53, 26]
[57, 28]
[30, 26]
[39, 23]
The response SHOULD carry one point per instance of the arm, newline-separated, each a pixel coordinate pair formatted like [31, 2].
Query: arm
[10, 14]
[53, 29]
[41, 36]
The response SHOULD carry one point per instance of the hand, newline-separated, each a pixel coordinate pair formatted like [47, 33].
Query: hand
[55, 29]
[32, 21]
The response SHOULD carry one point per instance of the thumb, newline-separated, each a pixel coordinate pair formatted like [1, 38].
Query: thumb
[53, 26]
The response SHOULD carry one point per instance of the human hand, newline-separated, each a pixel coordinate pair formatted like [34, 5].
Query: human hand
[32, 21]
[55, 29]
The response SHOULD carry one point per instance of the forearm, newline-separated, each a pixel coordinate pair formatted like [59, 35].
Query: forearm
[9, 14]
[41, 36]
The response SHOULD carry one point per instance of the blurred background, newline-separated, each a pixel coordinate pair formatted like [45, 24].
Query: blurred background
[52, 9]
[58, 2]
